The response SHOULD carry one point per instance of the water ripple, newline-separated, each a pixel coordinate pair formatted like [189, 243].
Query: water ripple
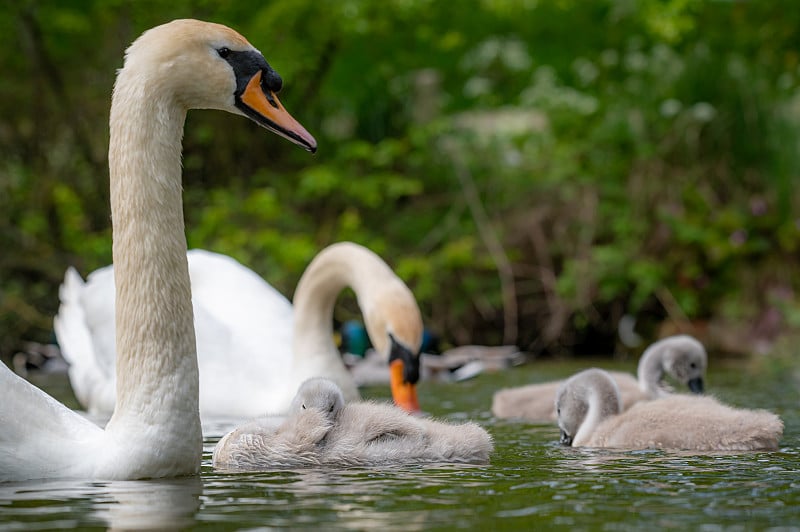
[532, 481]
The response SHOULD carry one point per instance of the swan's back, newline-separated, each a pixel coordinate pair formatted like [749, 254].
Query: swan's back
[244, 337]
[532, 402]
[372, 433]
[272, 442]
[368, 433]
[240, 299]
[465, 442]
[689, 422]
[629, 389]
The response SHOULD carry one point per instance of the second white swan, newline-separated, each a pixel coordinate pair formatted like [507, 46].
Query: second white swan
[254, 347]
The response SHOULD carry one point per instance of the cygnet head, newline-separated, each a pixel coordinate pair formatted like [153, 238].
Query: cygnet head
[202, 65]
[584, 400]
[320, 394]
[685, 359]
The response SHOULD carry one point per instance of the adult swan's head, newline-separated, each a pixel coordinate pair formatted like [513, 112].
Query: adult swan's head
[202, 65]
[155, 428]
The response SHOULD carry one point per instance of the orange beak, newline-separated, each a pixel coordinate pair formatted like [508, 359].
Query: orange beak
[273, 116]
[404, 393]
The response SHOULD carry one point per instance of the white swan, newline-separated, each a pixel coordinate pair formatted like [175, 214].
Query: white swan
[589, 407]
[321, 430]
[254, 348]
[155, 429]
[681, 357]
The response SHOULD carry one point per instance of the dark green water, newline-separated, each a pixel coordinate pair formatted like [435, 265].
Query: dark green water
[531, 482]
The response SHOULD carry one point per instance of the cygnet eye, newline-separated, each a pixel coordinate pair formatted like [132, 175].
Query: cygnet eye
[224, 52]
[303, 406]
[693, 365]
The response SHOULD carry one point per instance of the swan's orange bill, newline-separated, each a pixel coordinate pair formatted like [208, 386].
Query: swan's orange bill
[403, 393]
[278, 118]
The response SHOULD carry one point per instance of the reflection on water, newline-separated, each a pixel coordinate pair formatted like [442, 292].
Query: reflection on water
[532, 481]
[123, 505]
[357, 498]
[152, 504]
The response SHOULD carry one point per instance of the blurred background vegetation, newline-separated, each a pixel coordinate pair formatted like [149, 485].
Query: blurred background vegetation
[537, 171]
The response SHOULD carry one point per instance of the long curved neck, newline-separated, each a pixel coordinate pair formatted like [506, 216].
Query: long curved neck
[314, 300]
[650, 371]
[603, 401]
[157, 375]
[334, 269]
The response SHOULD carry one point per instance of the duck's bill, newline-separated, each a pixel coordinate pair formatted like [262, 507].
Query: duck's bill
[263, 107]
[404, 393]
[696, 385]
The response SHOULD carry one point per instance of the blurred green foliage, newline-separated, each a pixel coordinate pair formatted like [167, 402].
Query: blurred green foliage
[555, 164]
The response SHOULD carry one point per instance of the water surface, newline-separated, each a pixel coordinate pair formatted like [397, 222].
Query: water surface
[531, 481]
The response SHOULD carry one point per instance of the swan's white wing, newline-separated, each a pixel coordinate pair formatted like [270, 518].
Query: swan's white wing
[239, 297]
[221, 384]
[85, 330]
[99, 304]
[244, 337]
[40, 437]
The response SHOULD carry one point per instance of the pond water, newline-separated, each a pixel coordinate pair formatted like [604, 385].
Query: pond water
[531, 481]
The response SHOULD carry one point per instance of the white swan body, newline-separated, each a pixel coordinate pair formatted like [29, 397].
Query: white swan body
[85, 330]
[681, 357]
[254, 347]
[589, 415]
[155, 429]
[321, 430]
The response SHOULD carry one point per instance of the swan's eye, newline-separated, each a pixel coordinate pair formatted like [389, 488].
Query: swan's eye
[303, 407]
[330, 410]
[693, 365]
[224, 52]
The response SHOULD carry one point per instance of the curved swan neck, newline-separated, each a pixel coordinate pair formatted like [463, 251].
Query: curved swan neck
[316, 295]
[157, 375]
[602, 399]
[335, 268]
[650, 371]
